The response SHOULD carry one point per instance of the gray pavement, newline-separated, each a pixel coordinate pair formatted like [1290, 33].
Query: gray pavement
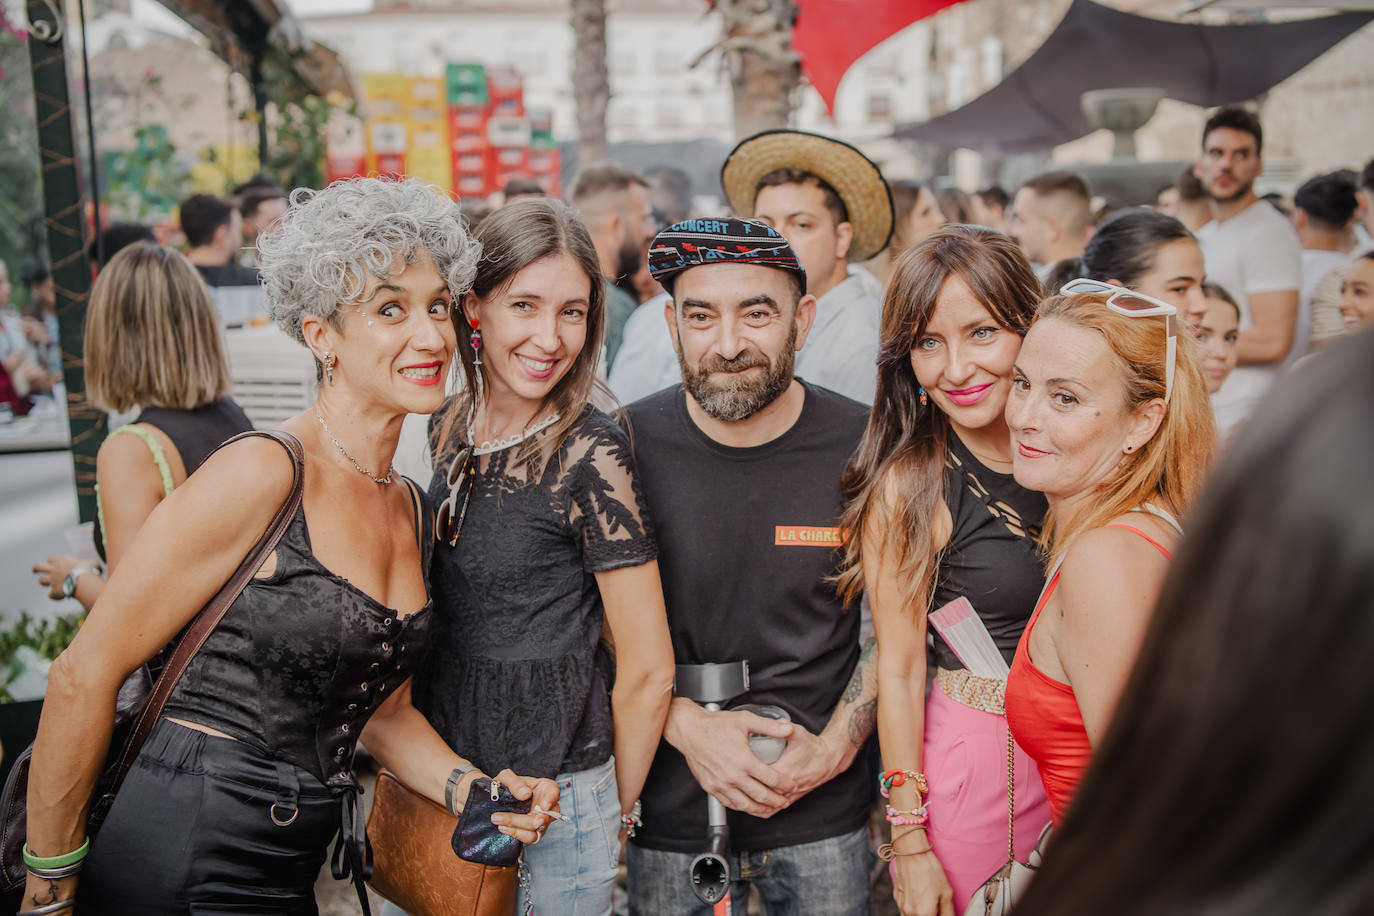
[37, 505]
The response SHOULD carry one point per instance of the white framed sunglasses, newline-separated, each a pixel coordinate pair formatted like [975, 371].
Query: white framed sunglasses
[1132, 304]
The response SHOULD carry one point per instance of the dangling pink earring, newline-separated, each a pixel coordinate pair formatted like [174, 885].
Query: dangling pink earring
[924, 399]
[476, 340]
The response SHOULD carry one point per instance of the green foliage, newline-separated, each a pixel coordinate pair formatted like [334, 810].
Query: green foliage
[144, 184]
[147, 181]
[21, 203]
[48, 637]
[296, 127]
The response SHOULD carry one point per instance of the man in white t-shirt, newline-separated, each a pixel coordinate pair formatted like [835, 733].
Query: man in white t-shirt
[1252, 251]
[1324, 216]
[1327, 323]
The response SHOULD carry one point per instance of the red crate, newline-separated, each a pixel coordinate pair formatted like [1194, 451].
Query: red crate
[469, 161]
[391, 165]
[470, 185]
[510, 158]
[337, 167]
[467, 118]
[512, 106]
[545, 161]
[469, 140]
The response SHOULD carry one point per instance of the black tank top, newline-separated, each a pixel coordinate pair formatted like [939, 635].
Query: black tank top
[303, 658]
[992, 558]
[199, 431]
[195, 433]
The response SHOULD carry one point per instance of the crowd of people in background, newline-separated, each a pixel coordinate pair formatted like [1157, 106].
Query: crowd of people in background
[939, 469]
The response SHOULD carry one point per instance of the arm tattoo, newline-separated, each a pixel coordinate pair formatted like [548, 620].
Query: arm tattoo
[855, 688]
[52, 894]
[861, 722]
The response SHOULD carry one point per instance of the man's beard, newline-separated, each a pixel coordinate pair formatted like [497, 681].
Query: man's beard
[629, 258]
[1242, 188]
[740, 397]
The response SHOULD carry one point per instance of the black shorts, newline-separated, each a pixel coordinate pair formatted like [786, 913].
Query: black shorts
[193, 831]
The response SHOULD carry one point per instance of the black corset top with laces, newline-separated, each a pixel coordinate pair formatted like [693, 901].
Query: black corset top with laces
[514, 676]
[303, 658]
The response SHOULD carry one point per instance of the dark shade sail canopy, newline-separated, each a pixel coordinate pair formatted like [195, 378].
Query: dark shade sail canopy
[241, 30]
[1096, 47]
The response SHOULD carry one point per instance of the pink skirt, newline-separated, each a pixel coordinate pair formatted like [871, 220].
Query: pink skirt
[965, 760]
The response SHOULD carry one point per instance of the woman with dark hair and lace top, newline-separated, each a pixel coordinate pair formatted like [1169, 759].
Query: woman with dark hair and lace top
[550, 650]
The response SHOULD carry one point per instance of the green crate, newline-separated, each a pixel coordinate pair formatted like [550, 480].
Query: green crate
[467, 84]
[468, 97]
[543, 139]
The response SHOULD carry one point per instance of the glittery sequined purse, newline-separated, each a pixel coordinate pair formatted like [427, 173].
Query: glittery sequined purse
[416, 860]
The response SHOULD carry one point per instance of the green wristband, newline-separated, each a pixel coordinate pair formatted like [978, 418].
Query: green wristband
[61, 861]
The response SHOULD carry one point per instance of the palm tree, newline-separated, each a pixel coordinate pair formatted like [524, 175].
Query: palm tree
[591, 85]
[756, 40]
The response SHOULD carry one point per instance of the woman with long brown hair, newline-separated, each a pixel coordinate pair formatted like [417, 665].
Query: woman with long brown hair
[936, 516]
[1111, 421]
[543, 545]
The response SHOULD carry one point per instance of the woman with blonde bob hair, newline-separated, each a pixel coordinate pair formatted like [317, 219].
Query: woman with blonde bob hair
[1111, 421]
[941, 519]
[152, 342]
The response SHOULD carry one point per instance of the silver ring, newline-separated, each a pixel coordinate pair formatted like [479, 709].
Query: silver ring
[272, 811]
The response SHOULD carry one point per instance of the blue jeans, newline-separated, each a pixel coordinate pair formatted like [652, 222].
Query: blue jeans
[826, 878]
[573, 869]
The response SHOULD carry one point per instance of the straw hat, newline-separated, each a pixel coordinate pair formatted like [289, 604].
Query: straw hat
[852, 174]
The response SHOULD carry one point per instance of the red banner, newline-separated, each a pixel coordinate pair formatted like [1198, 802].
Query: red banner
[831, 34]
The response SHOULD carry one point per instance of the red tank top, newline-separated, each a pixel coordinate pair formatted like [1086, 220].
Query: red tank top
[1043, 713]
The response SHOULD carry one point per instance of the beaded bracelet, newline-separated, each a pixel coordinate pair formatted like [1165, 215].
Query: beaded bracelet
[633, 819]
[916, 817]
[898, 777]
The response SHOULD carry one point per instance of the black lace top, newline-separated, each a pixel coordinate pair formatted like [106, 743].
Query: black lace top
[302, 659]
[514, 676]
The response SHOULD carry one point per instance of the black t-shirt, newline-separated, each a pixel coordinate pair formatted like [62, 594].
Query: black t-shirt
[231, 274]
[746, 539]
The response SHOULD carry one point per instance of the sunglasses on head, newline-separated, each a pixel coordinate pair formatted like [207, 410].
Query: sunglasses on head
[1132, 304]
[448, 521]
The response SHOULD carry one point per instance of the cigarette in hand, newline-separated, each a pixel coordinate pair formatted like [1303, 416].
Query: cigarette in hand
[553, 814]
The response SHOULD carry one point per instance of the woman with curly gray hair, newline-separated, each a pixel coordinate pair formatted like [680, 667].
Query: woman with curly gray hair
[234, 798]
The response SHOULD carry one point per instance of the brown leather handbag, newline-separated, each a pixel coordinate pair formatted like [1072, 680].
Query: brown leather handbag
[414, 865]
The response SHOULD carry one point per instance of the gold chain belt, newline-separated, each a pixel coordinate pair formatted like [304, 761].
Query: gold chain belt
[986, 694]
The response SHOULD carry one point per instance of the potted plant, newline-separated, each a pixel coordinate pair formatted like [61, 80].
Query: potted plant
[26, 650]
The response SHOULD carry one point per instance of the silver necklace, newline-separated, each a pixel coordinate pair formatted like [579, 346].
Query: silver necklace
[496, 445]
[340, 446]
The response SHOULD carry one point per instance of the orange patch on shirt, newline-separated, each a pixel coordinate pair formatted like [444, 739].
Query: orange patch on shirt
[806, 536]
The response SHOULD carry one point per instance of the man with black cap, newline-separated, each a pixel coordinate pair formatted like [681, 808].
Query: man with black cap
[741, 468]
[831, 203]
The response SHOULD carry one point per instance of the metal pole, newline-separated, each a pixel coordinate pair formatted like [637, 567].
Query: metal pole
[260, 102]
[62, 217]
[90, 137]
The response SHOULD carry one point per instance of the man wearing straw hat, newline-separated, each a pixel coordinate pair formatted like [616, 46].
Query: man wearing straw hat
[740, 466]
[830, 201]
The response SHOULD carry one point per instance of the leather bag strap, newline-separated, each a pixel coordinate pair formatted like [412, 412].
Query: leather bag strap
[204, 623]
